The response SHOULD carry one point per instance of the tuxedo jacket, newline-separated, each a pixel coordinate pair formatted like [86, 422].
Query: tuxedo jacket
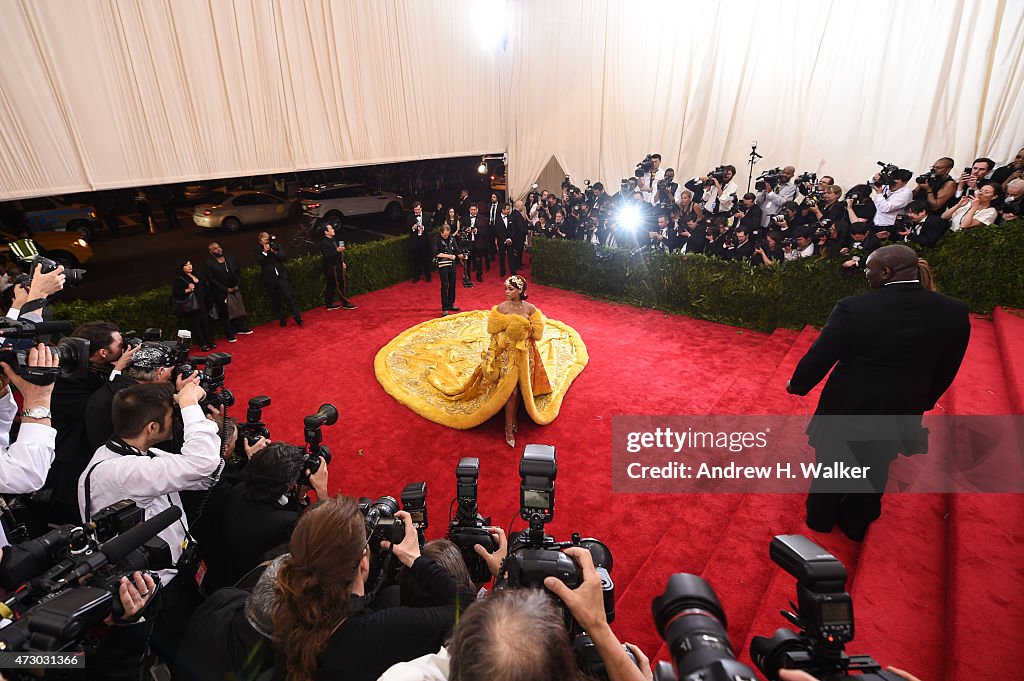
[893, 350]
[419, 241]
[520, 227]
[932, 228]
[271, 264]
[483, 232]
[503, 231]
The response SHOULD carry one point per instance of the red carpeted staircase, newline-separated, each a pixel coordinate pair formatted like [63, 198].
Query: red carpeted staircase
[937, 583]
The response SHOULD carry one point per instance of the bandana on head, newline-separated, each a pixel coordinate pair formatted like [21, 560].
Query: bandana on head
[151, 356]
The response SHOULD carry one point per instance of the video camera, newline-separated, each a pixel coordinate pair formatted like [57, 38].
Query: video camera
[469, 528]
[568, 187]
[67, 582]
[717, 174]
[691, 620]
[824, 616]
[72, 353]
[886, 174]
[766, 178]
[533, 555]
[644, 166]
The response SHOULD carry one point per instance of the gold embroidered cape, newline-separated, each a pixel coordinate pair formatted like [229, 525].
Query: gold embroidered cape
[460, 370]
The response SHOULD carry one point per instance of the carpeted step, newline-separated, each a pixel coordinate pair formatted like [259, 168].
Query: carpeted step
[742, 395]
[1009, 328]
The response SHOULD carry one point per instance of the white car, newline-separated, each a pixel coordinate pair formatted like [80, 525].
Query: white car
[332, 202]
[232, 210]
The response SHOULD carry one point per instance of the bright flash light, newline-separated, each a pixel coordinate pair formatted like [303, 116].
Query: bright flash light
[629, 217]
[482, 168]
[490, 20]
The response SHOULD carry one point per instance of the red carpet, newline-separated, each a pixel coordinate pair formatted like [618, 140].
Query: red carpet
[937, 584]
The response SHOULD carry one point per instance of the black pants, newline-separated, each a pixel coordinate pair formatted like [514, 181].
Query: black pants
[447, 276]
[473, 262]
[853, 504]
[171, 215]
[506, 254]
[178, 601]
[280, 294]
[420, 263]
[222, 315]
[335, 285]
[198, 322]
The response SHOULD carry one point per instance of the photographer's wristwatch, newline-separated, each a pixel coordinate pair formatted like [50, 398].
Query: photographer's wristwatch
[36, 413]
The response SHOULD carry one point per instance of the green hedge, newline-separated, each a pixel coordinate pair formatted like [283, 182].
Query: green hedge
[371, 266]
[980, 266]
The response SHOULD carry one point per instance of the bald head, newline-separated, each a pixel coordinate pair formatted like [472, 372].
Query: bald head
[891, 263]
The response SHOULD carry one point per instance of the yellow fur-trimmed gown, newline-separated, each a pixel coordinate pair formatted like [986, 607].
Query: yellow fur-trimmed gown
[460, 370]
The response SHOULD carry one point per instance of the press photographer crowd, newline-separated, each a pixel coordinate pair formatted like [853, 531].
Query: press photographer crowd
[787, 215]
[147, 534]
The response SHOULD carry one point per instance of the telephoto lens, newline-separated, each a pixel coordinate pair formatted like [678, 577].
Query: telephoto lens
[691, 621]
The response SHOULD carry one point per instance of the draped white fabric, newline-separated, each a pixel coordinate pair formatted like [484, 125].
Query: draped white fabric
[827, 86]
[110, 93]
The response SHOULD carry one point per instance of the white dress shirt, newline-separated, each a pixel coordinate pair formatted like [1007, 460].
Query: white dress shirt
[889, 205]
[433, 667]
[985, 216]
[153, 481]
[724, 201]
[23, 465]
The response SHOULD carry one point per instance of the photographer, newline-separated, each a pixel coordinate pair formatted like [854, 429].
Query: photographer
[936, 189]
[770, 252]
[924, 229]
[832, 209]
[744, 250]
[419, 235]
[978, 211]
[261, 513]
[322, 623]
[777, 191]
[1010, 172]
[792, 219]
[1011, 208]
[862, 244]
[891, 199]
[24, 465]
[749, 214]
[270, 257]
[647, 181]
[107, 359]
[803, 248]
[473, 237]
[446, 252]
[969, 181]
[660, 237]
[130, 466]
[719, 194]
[333, 254]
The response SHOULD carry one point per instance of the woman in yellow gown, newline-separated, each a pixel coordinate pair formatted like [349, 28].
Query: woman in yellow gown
[449, 371]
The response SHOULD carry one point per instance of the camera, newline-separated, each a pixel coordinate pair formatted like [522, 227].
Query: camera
[69, 581]
[212, 379]
[312, 430]
[73, 276]
[469, 528]
[132, 339]
[414, 502]
[717, 174]
[568, 186]
[381, 525]
[254, 427]
[778, 219]
[274, 245]
[691, 620]
[824, 616]
[533, 555]
[806, 178]
[766, 178]
[72, 353]
[885, 175]
[644, 166]
[930, 176]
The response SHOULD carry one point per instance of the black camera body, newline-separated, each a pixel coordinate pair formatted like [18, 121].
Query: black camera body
[254, 427]
[717, 174]
[927, 178]
[312, 430]
[885, 175]
[824, 616]
[468, 528]
[72, 353]
[414, 502]
[73, 276]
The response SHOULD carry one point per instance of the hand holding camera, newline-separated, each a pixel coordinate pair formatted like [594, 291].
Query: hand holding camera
[251, 449]
[494, 560]
[126, 357]
[409, 549]
[586, 602]
[191, 393]
[34, 395]
[317, 480]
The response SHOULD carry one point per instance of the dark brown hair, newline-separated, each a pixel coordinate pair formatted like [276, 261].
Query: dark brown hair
[449, 558]
[139, 405]
[315, 583]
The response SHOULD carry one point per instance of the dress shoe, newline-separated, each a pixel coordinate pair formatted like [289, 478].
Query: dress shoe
[444, 313]
[334, 307]
[298, 320]
[479, 278]
[453, 309]
[232, 340]
[212, 346]
[284, 322]
[467, 284]
[349, 306]
[245, 332]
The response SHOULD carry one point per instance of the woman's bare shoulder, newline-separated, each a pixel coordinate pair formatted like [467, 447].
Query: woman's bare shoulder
[531, 309]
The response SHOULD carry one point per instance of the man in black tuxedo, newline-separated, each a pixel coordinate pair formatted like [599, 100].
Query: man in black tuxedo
[419, 231]
[462, 208]
[924, 229]
[493, 214]
[333, 254]
[270, 257]
[503, 235]
[474, 234]
[895, 349]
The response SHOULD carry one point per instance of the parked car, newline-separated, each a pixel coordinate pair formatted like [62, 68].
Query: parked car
[65, 248]
[50, 213]
[232, 210]
[332, 202]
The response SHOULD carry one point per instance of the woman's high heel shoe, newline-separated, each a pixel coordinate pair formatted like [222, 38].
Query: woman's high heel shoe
[510, 438]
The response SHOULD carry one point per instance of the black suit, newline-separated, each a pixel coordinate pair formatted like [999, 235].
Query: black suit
[520, 228]
[220, 276]
[275, 281]
[334, 272]
[895, 349]
[476, 241]
[503, 232]
[928, 231]
[419, 234]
